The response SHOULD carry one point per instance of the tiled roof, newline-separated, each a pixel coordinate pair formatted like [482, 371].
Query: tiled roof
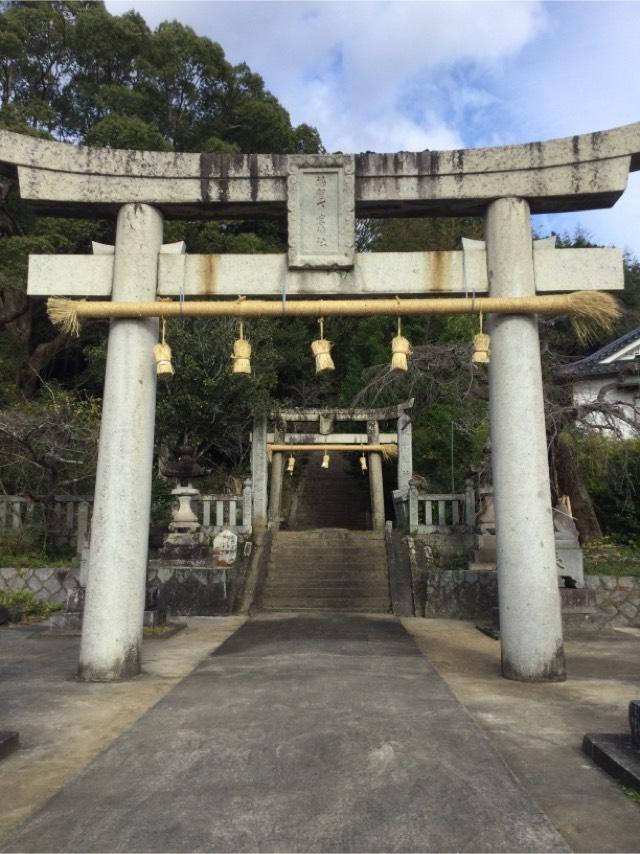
[591, 365]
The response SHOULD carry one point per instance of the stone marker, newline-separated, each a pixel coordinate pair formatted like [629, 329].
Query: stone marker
[618, 754]
[225, 548]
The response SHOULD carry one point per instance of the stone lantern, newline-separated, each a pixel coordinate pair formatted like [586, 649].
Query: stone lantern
[184, 540]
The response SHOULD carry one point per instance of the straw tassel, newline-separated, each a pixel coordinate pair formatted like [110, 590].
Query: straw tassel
[162, 355]
[321, 349]
[241, 357]
[400, 351]
[481, 347]
[64, 314]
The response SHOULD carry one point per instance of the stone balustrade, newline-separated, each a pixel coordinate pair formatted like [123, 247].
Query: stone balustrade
[440, 513]
[69, 523]
[72, 515]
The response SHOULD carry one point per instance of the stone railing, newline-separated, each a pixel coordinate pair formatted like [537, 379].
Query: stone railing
[72, 515]
[440, 513]
[69, 522]
[216, 512]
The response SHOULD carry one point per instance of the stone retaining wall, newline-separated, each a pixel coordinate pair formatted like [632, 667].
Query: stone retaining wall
[460, 594]
[467, 595]
[47, 584]
[191, 591]
[616, 597]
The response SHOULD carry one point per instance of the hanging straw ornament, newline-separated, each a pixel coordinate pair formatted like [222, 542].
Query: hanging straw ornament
[481, 347]
[321, 349]
[162, 355]
[400, 351]
[363, 460]
[291, 464]
[325, 460]
[241, 357]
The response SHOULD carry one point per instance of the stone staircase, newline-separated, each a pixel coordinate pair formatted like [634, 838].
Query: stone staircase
[337, 497]
[327, 570]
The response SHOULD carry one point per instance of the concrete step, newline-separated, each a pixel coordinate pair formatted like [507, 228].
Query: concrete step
[333, 557]
[320, 586]
[328, 535]
[348, 609]
[282, 577]
[327, 570]
[327, 603]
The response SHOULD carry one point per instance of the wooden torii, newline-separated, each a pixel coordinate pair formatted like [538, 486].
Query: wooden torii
[321, 195]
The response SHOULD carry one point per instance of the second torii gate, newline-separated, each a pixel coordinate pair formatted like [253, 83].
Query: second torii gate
[321, 195]
[326, 438]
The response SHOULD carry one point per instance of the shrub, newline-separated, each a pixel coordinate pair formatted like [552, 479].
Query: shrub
[611, 472]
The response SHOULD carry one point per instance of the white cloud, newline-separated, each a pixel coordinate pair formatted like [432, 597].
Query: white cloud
[387, 76]
[368, 55]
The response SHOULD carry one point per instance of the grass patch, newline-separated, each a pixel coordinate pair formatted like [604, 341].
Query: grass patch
[23, 554]
[608, 557]
[633, 794]
[26, 602]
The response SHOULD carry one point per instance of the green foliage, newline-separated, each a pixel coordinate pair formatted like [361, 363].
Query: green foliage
[48, 446]
[611, 472]
[127, 132]
[633, 794]
[205, 404]
[609, 556]
[71, 71]
[27, 548]
[26, 602]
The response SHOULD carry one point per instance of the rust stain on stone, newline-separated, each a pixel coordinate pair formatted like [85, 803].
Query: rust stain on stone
[209, 274]
[439, 268]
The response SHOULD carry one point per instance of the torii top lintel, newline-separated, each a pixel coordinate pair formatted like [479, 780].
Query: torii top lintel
[573, 173]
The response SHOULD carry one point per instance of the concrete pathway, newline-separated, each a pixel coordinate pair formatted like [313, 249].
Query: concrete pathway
[300, 733]
[64, 724]
[538, 728]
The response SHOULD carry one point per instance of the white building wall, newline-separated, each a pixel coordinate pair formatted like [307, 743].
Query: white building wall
[586, 391]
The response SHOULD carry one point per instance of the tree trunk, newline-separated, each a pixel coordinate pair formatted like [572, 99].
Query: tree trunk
[570, 483]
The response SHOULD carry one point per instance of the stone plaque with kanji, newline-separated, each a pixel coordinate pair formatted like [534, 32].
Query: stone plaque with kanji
[321, 205]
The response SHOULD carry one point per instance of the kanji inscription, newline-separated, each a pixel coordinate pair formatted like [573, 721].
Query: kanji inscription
[321, 213]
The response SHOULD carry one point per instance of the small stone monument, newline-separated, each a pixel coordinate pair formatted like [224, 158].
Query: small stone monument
[484, 554]
[225, 548]
[568, 552]
[185, 539]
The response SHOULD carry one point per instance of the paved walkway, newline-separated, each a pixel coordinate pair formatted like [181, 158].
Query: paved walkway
[318, 733]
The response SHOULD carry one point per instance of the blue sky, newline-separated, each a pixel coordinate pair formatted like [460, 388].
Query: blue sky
[405, 75]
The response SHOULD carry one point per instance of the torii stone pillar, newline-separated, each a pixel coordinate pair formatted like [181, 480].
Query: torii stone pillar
[376, 484]
[530, 616]
[405, 453]
[275, 490]
[114, 608]
[275, 493]
[259, 472]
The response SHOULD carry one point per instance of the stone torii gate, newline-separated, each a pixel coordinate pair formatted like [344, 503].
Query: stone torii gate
[326, 438]
[321, 195]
